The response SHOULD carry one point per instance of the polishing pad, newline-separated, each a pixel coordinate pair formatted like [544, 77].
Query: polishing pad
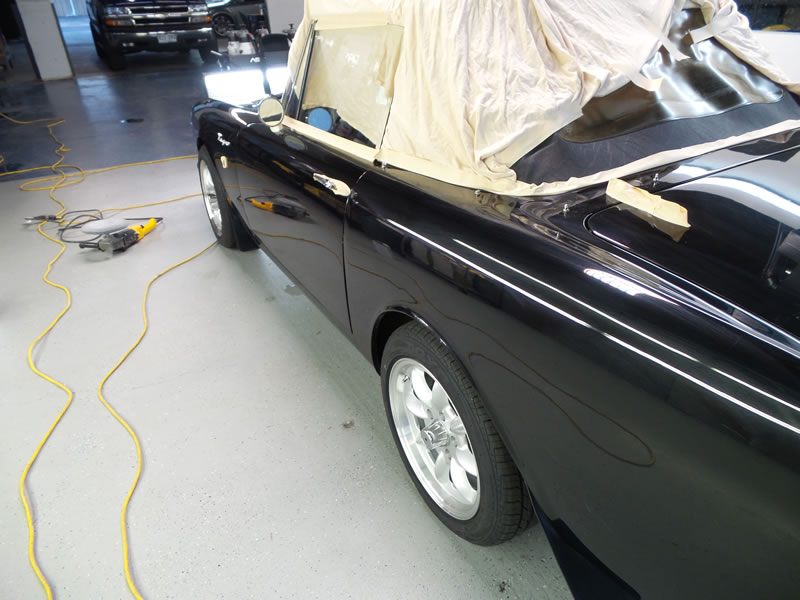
[104, 225]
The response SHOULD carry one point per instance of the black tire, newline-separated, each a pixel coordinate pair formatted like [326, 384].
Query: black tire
[222, 24]
[504, 507]
[98, 47]
[231, 233]
[116, 59]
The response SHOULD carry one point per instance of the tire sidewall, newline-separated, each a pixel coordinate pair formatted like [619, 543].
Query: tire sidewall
[116, 59]
[226, 236]
[98, 46]
[478, 528]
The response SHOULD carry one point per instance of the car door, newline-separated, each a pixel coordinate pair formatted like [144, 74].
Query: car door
[296, 178]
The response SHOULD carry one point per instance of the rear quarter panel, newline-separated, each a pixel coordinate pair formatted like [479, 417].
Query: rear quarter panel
[663, 438]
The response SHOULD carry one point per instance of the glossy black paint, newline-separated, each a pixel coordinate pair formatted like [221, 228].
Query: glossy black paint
[733, 245]
[656, 426]
[281, 167]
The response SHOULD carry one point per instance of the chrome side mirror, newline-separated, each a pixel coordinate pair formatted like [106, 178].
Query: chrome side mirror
[270, 111]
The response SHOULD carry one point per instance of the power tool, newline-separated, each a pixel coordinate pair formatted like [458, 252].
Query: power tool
[122, 239]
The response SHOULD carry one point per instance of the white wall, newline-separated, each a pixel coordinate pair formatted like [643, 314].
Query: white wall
[44, 37]
[784, 47]
[283, 12]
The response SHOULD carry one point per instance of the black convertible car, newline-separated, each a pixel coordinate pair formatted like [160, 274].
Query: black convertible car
[631, 381]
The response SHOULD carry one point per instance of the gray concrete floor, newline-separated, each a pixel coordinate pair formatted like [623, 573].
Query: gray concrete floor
[252, 487]
[94, 108]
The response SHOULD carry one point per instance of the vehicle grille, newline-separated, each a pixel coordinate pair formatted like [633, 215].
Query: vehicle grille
[160, 14]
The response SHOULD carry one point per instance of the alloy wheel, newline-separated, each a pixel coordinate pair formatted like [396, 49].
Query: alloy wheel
[210, 198]
[434, 439]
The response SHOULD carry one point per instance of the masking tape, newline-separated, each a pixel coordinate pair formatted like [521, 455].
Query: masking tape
[654, 205]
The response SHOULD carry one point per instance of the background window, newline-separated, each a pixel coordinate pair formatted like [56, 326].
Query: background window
[348, 90]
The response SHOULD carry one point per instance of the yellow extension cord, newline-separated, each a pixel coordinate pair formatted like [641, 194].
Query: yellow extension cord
[126, 556]
[63, 180]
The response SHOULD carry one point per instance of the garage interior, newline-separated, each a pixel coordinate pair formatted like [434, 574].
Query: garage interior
[275, 477]
[269, 469]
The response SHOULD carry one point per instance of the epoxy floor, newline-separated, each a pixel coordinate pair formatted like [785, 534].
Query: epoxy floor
[252, 485]
[94, 109]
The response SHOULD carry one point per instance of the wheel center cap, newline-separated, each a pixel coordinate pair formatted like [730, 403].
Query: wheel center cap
[435, 435]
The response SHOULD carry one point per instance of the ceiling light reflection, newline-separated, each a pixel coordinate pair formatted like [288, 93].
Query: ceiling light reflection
[240, 86]
[659, 343]
[618, 283]
[277, 78]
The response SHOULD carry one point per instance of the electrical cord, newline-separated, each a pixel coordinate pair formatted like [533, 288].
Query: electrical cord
[76, 223]
[80, 173]
[123, 521]
[60, 177]
[63, 179]
[89, 215]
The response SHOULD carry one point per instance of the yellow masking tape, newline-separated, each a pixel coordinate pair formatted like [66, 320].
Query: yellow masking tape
[654, 205]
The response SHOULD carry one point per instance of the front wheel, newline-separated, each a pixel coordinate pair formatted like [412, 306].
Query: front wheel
[447, 441]
[98, 48]
[116, 59]
[225, 224]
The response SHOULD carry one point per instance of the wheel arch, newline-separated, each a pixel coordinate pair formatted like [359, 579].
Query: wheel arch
[387, 323]
[394, 317]
[227, 12]
[233, 16]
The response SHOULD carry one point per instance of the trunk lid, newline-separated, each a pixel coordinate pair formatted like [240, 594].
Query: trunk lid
[744, 240]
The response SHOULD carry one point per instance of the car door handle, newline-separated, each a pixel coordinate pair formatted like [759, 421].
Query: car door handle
[339, 188]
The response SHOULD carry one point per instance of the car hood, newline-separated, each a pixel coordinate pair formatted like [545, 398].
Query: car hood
[743, 242]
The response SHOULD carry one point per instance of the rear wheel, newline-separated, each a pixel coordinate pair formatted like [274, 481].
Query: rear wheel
[225, 223]
[447, 441]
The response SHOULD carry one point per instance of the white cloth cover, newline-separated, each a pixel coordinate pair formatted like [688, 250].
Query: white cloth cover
[372, 75]
[480, 84]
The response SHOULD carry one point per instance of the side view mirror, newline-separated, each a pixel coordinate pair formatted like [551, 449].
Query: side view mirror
[270, 111]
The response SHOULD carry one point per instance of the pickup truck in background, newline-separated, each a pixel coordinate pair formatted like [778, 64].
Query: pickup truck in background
[121, 27]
